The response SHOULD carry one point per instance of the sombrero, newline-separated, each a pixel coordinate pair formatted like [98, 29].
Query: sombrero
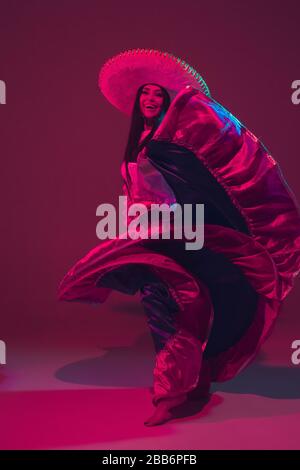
[122, 75]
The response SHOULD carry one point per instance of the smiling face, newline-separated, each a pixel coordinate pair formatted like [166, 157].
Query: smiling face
[151, 101]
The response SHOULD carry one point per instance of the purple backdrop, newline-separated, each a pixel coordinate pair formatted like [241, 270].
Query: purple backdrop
[62, 143]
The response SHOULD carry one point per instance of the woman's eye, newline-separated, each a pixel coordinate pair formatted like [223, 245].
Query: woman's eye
[145, 92]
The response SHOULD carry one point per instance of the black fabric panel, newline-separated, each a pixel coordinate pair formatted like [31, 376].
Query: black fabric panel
[192, 182]
[233, 297]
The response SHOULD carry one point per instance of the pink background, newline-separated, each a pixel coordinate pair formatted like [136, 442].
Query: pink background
[62, 143]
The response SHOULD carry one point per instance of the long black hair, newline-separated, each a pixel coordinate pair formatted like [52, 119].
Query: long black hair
[137, 126]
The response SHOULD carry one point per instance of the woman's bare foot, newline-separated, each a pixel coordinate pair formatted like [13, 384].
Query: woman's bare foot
[161, 415]
[163, 412]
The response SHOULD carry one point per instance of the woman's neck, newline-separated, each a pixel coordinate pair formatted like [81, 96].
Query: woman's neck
[148, 124]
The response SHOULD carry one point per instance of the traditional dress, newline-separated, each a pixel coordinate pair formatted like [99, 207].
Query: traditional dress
[208, 310]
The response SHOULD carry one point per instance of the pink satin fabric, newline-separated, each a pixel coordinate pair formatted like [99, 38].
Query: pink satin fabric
[269, 257]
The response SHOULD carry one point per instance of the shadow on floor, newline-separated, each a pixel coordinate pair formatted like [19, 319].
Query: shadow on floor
[133, 367]
[271, 382]
[116, 367]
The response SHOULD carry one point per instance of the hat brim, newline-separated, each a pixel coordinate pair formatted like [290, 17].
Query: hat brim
[122, 75]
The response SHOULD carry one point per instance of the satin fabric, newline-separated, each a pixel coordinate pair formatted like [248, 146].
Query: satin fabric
[252, 236]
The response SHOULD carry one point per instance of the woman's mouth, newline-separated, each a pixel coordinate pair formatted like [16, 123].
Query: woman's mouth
[149, 106]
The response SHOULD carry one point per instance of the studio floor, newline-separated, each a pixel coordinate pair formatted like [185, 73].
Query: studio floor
[89, 388]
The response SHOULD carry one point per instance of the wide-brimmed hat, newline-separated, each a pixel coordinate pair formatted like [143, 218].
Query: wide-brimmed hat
[122, 75]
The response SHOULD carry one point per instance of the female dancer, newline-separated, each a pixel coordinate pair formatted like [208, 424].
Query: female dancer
[209, 310]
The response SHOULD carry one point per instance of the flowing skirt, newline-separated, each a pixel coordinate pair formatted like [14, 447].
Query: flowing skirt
[209, 310]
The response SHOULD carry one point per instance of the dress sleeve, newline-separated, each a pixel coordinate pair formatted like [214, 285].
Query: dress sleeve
[124, 178]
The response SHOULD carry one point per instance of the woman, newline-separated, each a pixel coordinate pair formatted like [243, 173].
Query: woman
[150, 106]
[208, 310]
